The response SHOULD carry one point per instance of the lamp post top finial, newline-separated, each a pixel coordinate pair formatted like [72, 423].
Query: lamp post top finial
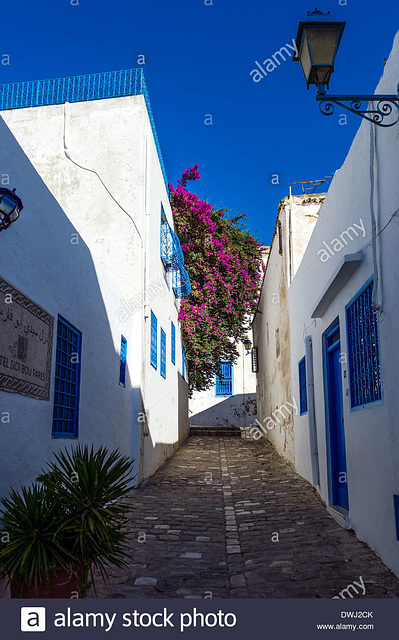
[317, 12]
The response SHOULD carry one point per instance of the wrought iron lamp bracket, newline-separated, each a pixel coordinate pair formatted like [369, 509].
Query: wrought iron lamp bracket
[382, 110]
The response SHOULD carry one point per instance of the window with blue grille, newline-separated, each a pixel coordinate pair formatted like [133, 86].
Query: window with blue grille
[163, 354]
[122, 362]
[363, 349]
[67, 381]
[173, 342]
[183, 362]
[224, 379]
[154, 340]
[303, 397]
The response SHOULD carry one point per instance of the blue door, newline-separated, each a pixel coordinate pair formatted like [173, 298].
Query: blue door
[338, 475]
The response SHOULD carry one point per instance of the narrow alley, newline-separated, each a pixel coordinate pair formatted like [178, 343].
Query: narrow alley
[229, 518]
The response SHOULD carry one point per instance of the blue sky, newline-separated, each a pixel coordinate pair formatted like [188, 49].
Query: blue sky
[199, 62]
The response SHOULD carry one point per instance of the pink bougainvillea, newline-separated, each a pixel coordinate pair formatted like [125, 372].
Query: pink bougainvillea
[224, 263]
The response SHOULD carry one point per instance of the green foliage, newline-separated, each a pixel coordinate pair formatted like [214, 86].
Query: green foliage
[75, 516]
[35, 526]
[224, 263]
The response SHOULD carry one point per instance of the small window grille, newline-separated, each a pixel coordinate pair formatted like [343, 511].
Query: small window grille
[303, 396]
[67, 381]
[154, 340]
[183, 365]
[363, 350]
[122, 362]
[163, 354]
[254, 360]
[224, 380]
[173, 343]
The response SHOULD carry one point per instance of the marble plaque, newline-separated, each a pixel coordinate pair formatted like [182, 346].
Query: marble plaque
[26, 344]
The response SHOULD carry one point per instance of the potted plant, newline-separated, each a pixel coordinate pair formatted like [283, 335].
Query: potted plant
[35, 546]
[71, 522]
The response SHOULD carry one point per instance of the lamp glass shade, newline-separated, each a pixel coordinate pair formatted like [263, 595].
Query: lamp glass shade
[322, 44]
[10, 208]
[7, 205]
[317, 44]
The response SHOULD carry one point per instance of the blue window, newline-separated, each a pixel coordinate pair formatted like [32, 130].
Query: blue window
[303, 396]
[122, 362]
[183, 362]
[163, 353]
[171, 251]
[154, 340]
[363, 349]
[224, 379]
[67, 381]
[173, 343]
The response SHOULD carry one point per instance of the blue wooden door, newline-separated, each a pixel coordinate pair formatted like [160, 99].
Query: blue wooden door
[338, 475]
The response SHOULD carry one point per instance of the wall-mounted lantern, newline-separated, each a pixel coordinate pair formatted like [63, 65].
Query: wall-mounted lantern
[317, 45]
[10, 208]
[247, 344]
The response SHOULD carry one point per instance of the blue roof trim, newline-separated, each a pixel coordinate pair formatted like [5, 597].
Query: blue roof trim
[93, 86]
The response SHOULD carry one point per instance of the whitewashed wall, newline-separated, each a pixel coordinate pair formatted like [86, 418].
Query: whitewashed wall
[238, 410]
[76, 252]
[372, 434]
[277, 402]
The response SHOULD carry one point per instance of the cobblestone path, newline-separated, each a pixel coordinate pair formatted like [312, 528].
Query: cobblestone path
[229, 518]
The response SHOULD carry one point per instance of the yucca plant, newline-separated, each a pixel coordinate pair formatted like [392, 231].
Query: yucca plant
[91, 487]
[73, 518]
[37, 536]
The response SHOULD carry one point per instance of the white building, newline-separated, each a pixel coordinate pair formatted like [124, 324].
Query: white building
[231, 400]
[85, 261]
[344, 348]
[296, 218]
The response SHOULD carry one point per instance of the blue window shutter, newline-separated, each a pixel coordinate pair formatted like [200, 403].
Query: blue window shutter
[173, 342]
[154, 340]
[163, 353]
[303, 396]
[122, 363]
[183, 365]
[224, 379]
[363, 349]
[67, 381]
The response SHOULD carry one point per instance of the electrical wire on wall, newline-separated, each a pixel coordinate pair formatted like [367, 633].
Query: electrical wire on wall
[98, 176]
[374, 212]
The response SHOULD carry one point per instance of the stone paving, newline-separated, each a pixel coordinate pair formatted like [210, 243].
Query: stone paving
[230, 518]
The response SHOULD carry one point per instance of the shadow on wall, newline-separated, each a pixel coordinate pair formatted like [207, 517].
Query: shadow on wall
[237, 411]
[38, 258]
[153, 450]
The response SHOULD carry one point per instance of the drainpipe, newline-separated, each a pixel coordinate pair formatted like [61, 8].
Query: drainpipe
[314, 456]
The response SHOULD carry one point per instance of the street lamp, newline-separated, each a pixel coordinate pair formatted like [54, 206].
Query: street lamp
[247, 345]
[10, 208]
[317, 45]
